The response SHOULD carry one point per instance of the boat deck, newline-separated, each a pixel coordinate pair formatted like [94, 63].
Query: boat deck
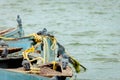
[46, 72]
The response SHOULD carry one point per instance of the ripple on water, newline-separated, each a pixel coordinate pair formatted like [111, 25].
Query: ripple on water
[93, 44]
[105, 59]
[80, 44]
[85, 33]
[90, 28]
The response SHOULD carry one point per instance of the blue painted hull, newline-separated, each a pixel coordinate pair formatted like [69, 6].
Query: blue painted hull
[8, 75]
[23, 43]
[13, 32]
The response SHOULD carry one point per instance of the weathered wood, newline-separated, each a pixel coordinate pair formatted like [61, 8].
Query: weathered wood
[46, 71]
[2, 32]
[10, 50]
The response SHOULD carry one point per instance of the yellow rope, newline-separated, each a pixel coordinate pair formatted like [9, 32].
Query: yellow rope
[54, 65]
[38, 38]
[26, 52]
[54, 43]
[4, 38]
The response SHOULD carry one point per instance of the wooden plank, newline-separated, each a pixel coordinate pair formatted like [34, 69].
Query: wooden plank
[5, 31]
[50, 72]
[10, 50]
[46, 72]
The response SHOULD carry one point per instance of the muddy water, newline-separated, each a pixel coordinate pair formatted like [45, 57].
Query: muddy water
[89, 30]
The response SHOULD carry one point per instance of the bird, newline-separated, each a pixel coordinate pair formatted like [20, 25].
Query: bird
[3, 43]
[19, 20]
[61, 50]
[43, 32]
[4, 53]
[26, 64]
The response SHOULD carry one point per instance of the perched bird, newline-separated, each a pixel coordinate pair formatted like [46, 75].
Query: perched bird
[61, 50]
[26, 64]
[19, 20]
[43, 32]
[63, 57]
[3, 43]
[4, 53]
[62, 53]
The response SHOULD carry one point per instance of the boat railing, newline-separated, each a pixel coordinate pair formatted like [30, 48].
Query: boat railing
[14, 32]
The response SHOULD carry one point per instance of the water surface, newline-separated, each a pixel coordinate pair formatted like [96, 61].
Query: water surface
[89, 30]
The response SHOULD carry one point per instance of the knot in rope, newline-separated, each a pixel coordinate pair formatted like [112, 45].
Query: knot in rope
[38, 38]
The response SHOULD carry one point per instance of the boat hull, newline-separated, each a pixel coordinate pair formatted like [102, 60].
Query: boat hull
[9, 75]
[12, 32]
[11, 62]
[46, 71]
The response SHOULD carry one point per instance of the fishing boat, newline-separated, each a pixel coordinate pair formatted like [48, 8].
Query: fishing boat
[8, 52]
[37, 54]
[46, 64]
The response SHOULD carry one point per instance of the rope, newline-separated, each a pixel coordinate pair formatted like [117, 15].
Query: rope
[54, 41]
[26, 52]
[37, 59]
[54, 65]
[7, 39]
[38, 38]
[46, 56]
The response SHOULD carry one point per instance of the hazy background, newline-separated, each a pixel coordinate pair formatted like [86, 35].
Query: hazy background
[89, 30]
